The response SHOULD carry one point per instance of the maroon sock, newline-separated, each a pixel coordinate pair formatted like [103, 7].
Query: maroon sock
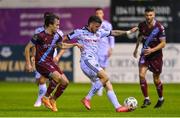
[59, 91]
[159, 88]
[51, 87]
[144, 89]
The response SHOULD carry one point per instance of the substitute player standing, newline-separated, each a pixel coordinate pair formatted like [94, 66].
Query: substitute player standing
[106, 44]
[152, 35]
[89, 36]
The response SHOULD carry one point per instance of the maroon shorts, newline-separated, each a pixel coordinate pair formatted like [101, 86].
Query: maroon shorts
[154, 65]
[45, 68]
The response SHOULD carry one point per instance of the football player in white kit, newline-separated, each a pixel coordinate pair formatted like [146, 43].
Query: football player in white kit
[106, 44]
[89, 37]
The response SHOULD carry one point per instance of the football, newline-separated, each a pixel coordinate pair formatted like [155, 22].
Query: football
[131, 103]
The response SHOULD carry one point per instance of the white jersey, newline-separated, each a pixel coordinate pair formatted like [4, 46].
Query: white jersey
[106, 42]
[89, 40]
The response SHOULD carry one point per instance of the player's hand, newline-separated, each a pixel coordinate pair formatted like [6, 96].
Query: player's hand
[148, 51]
[56, 59]
[29, 67]
[109, 52]
[135, 53]
[134, 29]
[81, 47]
[33, 62]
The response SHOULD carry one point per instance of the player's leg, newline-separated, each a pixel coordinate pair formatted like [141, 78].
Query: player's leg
[103, 62]
[94, 88]
[47, 70]
[113, 98]
[62, 81]
[41, 81]
[159, 88]
[156, 68]
[144, 87]
[90, 68]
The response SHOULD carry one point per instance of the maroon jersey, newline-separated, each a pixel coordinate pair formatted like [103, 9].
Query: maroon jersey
[45, 45]
[145, 31]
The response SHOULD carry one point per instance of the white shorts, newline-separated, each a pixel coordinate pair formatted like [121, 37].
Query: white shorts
[90, 69]
[103, 61]
[37, 75]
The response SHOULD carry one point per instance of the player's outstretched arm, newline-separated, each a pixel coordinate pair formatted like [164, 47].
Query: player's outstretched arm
[28, 65]
[122, 32]
[69, 45]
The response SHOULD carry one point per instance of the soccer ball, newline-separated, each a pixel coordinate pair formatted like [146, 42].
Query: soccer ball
[131, 103]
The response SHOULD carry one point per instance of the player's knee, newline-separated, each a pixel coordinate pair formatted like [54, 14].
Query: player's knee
[64, 80]
[42, 80]
[142, 76]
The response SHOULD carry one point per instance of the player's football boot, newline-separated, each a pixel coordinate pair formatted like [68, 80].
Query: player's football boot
[46, 102]
[53, 104]
[37, 103]
[86, 103]
[159, 103]
[146, 103]
[122, 109]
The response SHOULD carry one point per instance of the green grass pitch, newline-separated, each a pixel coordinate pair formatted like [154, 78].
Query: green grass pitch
[17, 99]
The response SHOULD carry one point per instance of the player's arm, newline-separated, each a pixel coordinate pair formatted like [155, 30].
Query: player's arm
[139, 39]
[59, 55]
[111, 45]
[33, 53]
[158, 47]
[122, 32]
[28, 64]
[69, 45]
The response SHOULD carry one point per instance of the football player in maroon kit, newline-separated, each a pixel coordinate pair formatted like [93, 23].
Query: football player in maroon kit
[152, 36]
[45, 41]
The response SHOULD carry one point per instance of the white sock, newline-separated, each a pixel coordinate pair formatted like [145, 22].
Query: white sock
[161, 98]
[147, 98]
[95, 87]
[112, 97]
[42, 91]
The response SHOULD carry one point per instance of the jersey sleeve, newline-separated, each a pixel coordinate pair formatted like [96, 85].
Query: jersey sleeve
[111, 38]
[60, 35]
[35, 38]
[162, 34]
[75, 34]
[104, 33]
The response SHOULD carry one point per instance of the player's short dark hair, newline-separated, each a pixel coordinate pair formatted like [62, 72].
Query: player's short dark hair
[94, 19]
[98, 8]
[149, 9]
[46, 14]
[50, 19]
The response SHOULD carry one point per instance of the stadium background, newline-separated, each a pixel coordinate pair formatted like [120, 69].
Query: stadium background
[19, 18]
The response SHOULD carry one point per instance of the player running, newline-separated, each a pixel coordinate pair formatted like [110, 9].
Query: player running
[41, 81]
[45, 42]
[152, 35]
[88, 37]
